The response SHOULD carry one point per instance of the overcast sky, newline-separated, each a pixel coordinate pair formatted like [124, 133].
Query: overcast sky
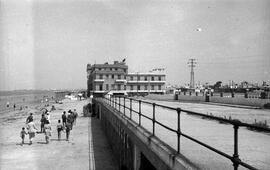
[47, 43]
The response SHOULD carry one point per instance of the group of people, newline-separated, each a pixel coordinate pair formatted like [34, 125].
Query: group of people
[68, 120]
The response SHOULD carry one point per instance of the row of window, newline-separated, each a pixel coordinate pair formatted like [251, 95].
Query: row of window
[110, 69]
[101, 76]
[113, 87]
[144, 78]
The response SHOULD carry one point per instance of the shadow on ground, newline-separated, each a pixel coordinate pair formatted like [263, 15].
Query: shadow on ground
[104, 159]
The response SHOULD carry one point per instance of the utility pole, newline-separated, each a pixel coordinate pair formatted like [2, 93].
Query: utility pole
[191, 64]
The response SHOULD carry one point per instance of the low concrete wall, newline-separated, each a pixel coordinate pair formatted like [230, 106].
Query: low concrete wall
[255, 102]
[160, 97]
[132, 143]
[240, 101]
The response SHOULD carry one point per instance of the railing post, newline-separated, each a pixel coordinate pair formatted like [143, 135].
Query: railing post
[235, 155]
[119, 104]
[113, 102]
[130, 109]
[178, 130]
[124, 105]
[154, 118]
[140, 112]
[110, 100]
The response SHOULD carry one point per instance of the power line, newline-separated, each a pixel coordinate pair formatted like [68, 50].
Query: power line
[191, 64]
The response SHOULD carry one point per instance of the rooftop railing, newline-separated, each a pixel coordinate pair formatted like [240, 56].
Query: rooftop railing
[115, 101]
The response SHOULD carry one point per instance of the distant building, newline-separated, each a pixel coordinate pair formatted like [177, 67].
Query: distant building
[114, 78]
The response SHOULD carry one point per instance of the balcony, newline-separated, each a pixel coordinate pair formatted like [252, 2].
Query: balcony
[121, 81]
[99, 80]
[142, 81]
[145, 91]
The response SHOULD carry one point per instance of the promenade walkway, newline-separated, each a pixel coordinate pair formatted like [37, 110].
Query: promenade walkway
[87, 148]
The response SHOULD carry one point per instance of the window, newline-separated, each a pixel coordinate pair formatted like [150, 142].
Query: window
[159, 87]
[107, 86]
[152, 87]
[119, 86]
[138, 78]
[111, 69]
[159, 78]
[99, 68]
[100, 76]
[139, 87]
[112, 76]
[112, 87]
[145, 87]
[152, 78]
[131, 87]
[100, 87]
[119, 76]
[116, 69]
[145, 78]
[107, 76]
[131, 78]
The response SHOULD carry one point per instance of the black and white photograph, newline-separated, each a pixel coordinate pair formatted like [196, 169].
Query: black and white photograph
[134, 84]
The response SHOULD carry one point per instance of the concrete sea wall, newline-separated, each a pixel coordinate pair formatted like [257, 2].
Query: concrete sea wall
[255, 102]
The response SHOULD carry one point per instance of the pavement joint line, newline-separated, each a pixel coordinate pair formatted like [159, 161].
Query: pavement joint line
[91, 148]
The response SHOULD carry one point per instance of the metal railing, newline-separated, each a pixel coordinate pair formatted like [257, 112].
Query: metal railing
[115, 101]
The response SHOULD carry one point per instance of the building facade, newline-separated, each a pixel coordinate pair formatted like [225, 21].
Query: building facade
[114, 78]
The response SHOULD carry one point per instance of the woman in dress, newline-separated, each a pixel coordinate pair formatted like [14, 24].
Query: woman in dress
[32, 129]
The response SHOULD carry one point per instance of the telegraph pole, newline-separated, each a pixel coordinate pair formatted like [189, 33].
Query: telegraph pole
[191, 64]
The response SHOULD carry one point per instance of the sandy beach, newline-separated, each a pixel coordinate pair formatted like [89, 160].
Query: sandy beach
[72, 154]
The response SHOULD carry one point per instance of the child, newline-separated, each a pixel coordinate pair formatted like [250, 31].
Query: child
[23, 133]
[59, 129]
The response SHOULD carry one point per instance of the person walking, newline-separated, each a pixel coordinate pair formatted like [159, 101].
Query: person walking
[30, 117]
[70, 118]
[64, 118]
[47, 129]
[68, 129]
[32, 129]
[22, 134]
[59, 129]
[48, 116]
[75, 115]
[42, 122]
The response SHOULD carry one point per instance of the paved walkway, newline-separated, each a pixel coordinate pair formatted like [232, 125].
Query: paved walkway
[77, 153]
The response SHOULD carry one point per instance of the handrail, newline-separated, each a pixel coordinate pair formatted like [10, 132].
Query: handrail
[112, 101]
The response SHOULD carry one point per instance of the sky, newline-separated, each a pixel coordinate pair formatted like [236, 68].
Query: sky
[46, 44]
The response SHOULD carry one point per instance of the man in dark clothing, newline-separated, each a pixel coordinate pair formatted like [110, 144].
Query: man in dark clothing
[70, 119]
[64, 118]
[43, 120]
[29, 118]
